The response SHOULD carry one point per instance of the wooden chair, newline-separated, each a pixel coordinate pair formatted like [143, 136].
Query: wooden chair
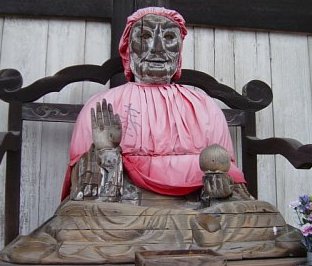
[256, 96]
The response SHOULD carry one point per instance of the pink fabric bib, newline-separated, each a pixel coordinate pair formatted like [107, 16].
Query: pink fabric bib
[165, 127]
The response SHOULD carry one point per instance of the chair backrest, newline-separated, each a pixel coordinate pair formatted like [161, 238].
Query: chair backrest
[256, 96]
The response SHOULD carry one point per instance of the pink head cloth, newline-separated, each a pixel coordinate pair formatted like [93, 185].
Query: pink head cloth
[124, 50]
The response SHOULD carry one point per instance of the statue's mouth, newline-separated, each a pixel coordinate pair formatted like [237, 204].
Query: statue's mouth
[157, 62]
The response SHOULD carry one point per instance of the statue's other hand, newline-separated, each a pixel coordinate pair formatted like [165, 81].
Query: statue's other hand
[220, 186]
[106, 126]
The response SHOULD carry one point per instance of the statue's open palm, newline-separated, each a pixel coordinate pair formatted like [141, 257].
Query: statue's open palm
[106, 126]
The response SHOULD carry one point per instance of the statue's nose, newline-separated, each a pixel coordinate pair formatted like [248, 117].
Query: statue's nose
[157, 45]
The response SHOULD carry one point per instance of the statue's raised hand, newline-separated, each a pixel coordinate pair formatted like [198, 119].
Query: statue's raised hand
[106, 126]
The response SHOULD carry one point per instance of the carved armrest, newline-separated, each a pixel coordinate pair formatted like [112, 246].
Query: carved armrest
[299, 155]
[9, 141]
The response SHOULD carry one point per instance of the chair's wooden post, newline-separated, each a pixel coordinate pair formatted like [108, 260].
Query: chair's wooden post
[250, 160]
[13, 177]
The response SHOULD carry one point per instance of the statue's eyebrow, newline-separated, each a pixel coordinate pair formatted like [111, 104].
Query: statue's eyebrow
[170, 24]
[145, 22]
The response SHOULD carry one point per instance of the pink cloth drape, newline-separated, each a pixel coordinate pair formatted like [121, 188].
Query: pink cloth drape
[165, 127]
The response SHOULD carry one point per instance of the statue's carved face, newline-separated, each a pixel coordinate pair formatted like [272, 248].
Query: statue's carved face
[155, 45]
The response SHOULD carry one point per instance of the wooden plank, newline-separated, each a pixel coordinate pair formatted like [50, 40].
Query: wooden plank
[255, 262]
[163, 236]
[188, 49]
[204, 50]
[3, 128]
[122, 9]
[180, 257]
[50, 112]
[120, 222]
[265, 123]
[125, 237]
[252, 61]
[66, 46]
[250, 234]
[97, 51]
[134, 222]
[21, 36]
[256, 14]
[91, 9]
[224, 68]
[271, 262]
[292, 104]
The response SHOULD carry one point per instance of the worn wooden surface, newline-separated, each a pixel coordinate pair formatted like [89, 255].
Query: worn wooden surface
[3, 127]
[265, 262]
[233, 57]
[290, 54]
[199, 258]
[179, 257]
[102, 232]
[261, 262]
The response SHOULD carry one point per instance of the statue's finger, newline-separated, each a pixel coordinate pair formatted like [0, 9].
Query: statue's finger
[99, 116]
[227, 190]
[212, 182]
[93, 119]
[209, 186]
[105, 113]
[229, 186]
[110, 114]
[219, 184]
[117, 120]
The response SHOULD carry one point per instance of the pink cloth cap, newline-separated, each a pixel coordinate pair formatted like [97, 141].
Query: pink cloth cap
[124, 50]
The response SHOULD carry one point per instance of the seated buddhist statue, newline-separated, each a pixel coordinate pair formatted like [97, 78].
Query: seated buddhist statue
[135, 182]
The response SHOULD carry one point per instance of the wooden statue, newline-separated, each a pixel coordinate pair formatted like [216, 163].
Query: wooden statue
[135, 179]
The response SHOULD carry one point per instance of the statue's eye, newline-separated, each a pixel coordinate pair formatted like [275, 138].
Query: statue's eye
[169, 36]
[146, 35]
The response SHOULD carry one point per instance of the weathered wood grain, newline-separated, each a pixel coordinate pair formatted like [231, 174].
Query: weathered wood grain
[271, 262]
[70, 35]
[292, 105]
[97, 51]
[113, 222]
[3, 127]
[180, 257]
[230, 262]
[188, 49]
[252, 61]
[204, 50]
[113, 232]
[224, 69]
[22, 35]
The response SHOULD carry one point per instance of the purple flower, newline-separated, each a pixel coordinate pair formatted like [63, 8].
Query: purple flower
[305, 199]
[294, 204]
[306, 229]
